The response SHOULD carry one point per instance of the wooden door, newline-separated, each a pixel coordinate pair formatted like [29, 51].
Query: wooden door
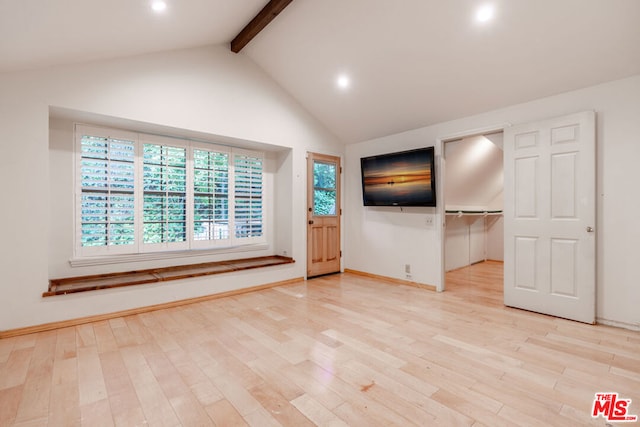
[549, 216]
[323, 214]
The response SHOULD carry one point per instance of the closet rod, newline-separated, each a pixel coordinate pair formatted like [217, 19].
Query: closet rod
[467, 212]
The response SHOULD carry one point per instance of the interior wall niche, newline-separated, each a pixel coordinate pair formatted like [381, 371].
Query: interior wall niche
[473, 200]
[278, 206]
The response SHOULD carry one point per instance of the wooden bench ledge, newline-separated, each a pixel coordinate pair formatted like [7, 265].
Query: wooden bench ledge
[114, 280]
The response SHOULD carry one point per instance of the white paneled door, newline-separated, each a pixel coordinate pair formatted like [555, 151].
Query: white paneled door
[549, 216]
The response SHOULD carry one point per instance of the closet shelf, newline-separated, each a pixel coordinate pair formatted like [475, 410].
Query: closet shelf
[472, 212]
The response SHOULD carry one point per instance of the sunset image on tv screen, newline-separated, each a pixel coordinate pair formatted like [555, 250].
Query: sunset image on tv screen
[402, 179]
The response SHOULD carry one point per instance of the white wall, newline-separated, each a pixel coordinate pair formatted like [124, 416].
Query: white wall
[474, 173]
[495, 238]
[407, 239]
[206, 91]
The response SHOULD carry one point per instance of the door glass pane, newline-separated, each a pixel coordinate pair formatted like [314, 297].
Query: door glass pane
[324, 175]
[324, 188]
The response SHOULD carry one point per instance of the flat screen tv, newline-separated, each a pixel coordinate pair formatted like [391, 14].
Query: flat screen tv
[405, 178]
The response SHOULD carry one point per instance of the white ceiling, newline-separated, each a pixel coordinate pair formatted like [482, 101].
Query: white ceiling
[412, 62]
[37, 33]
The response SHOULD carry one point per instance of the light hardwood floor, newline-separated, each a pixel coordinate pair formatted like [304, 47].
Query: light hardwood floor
[336, 350]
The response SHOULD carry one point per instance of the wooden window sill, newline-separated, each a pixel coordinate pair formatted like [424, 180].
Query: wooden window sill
[114, 280]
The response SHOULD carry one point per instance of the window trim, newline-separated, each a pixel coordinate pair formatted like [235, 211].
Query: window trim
[154, 256]
[139, 251]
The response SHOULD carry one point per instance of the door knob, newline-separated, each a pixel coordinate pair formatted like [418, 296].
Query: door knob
[589, 229]
[310, 221]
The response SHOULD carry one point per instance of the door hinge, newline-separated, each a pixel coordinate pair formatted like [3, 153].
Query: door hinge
[340, 211]
[340, 254]
[340, 169]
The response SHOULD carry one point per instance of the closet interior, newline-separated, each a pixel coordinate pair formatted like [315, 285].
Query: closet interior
[473, 200]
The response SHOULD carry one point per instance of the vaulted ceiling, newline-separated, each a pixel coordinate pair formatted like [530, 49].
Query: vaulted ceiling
[411, 63]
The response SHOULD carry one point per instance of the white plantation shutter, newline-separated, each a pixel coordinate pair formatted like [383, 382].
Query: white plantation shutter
[248, 195]
[164, 193]
[210, 197]
[106, 180]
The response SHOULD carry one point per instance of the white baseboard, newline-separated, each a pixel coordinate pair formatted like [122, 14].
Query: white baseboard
[618, 324]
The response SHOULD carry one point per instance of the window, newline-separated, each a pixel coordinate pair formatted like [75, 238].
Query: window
[164, 194]
[139, 193]
[211, 195]
[248, 195]
[107, 192]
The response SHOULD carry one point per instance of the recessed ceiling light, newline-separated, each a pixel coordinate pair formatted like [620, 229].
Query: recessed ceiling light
[158, 5]
[485, 13]
[343, 81]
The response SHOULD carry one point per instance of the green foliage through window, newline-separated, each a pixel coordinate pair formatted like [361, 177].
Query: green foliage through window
[324, 188]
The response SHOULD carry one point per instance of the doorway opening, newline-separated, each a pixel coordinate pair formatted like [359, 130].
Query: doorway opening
[473, 231]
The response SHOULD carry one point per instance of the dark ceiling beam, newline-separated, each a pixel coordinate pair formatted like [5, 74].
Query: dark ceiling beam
[257, 24]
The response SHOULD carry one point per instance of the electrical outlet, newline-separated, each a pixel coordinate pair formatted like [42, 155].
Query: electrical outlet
[407, 268]
[429, 221]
